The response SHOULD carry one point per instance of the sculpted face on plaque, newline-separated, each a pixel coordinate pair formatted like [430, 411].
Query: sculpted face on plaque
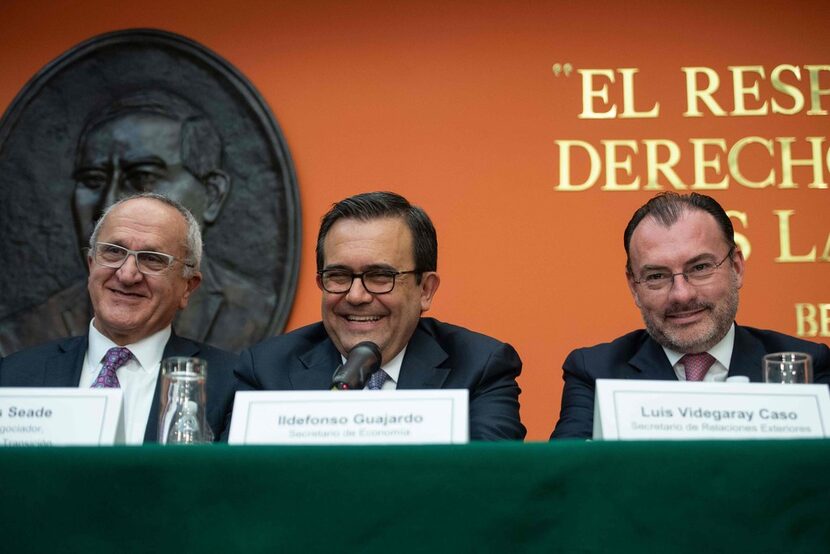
[148, 146]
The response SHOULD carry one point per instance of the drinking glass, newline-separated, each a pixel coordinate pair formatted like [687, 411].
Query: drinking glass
[183, 400]
[788, 367]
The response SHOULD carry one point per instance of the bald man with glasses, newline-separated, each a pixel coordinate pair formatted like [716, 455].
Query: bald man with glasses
[143, 260]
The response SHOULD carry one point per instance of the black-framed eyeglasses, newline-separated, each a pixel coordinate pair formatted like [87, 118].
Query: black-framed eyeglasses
[147, 261]
[375, 281]
[698, 274]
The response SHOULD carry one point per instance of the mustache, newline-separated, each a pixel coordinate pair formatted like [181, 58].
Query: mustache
[677, 308]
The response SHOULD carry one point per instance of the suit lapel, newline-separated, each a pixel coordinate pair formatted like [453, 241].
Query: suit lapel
[176, 346]
[63, 369]
[747, 356]
[422, 364]
[651, 362]
[421, 367]
[317, 367]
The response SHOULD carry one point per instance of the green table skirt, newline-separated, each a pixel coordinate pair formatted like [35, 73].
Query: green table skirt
[567, 496]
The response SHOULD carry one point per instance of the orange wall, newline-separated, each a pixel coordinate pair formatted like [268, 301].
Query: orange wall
[455, 105]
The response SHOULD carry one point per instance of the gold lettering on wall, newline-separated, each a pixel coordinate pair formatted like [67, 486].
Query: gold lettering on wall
[655, 166]
[702, 83]
[735, 167]
[785, 241]
[741, 240]
[742, 90]
[816, 92]
[778, 83]
[814, 162]
[612, 166]
[592, 91]
[812, 320]
[695, 94]
[715, 163]
[565, 183]
[702, 164]
[629, 111]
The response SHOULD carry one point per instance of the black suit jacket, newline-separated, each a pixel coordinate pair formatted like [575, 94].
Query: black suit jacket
[438, 356]
[638, 356]
[59, 364]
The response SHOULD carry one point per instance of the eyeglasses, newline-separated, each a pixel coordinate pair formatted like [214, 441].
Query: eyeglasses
[375, 281]
[148, 262]
[698, 274]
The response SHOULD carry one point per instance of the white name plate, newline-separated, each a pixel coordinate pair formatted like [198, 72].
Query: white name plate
[60, 417]
[671, 410]
[350, 417]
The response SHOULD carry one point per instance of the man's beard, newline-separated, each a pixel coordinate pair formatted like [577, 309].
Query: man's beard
[720, 320]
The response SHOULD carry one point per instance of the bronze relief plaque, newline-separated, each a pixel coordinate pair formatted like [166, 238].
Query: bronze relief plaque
[145, 110]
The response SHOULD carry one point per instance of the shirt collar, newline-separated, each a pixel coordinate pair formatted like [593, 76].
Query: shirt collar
[722, 351]
[393, 368]
[147, 352]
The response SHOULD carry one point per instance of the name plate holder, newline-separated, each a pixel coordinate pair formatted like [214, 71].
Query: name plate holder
[60, 417]
[673, 410]
[350, 417]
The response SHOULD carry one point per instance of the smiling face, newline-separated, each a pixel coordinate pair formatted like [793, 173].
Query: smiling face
[684, 317]
[388, 319]
[129, 305]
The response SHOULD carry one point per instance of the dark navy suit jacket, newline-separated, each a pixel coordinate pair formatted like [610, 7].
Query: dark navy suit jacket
[59, 364]
[438, 356]
[638, 356]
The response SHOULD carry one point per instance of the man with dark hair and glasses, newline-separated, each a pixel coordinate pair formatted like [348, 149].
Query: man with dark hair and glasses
[144, 257]
[684, 271]
[377, 270]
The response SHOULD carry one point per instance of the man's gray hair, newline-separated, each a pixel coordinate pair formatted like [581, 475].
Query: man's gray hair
[193, 240]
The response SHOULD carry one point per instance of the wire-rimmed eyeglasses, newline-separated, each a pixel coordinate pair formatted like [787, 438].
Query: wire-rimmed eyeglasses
[147, 261]
[698, 274]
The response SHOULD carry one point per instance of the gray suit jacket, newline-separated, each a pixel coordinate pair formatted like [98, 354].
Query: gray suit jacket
[59, 364]
[638, 356]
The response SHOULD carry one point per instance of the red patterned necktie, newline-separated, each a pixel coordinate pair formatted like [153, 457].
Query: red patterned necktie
[376, 380]
[697, 365]
[115, 358]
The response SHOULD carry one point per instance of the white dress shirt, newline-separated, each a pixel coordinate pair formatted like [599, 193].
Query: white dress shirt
[722, 352]
[138, 376]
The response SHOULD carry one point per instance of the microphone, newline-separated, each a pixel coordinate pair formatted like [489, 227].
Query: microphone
[363, 360]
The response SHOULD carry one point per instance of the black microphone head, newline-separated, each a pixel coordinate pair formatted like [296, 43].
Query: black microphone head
[371, 347]
[363, 360]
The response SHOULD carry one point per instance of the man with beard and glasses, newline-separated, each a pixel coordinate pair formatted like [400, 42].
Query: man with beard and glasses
[684, 271]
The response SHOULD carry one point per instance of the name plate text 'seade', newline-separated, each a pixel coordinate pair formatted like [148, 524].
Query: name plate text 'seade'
[60, 417]
[353, 417]
[672, 410]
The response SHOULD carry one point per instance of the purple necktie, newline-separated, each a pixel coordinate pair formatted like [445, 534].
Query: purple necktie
[376, 380]
[697, 365]
[115, 358]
